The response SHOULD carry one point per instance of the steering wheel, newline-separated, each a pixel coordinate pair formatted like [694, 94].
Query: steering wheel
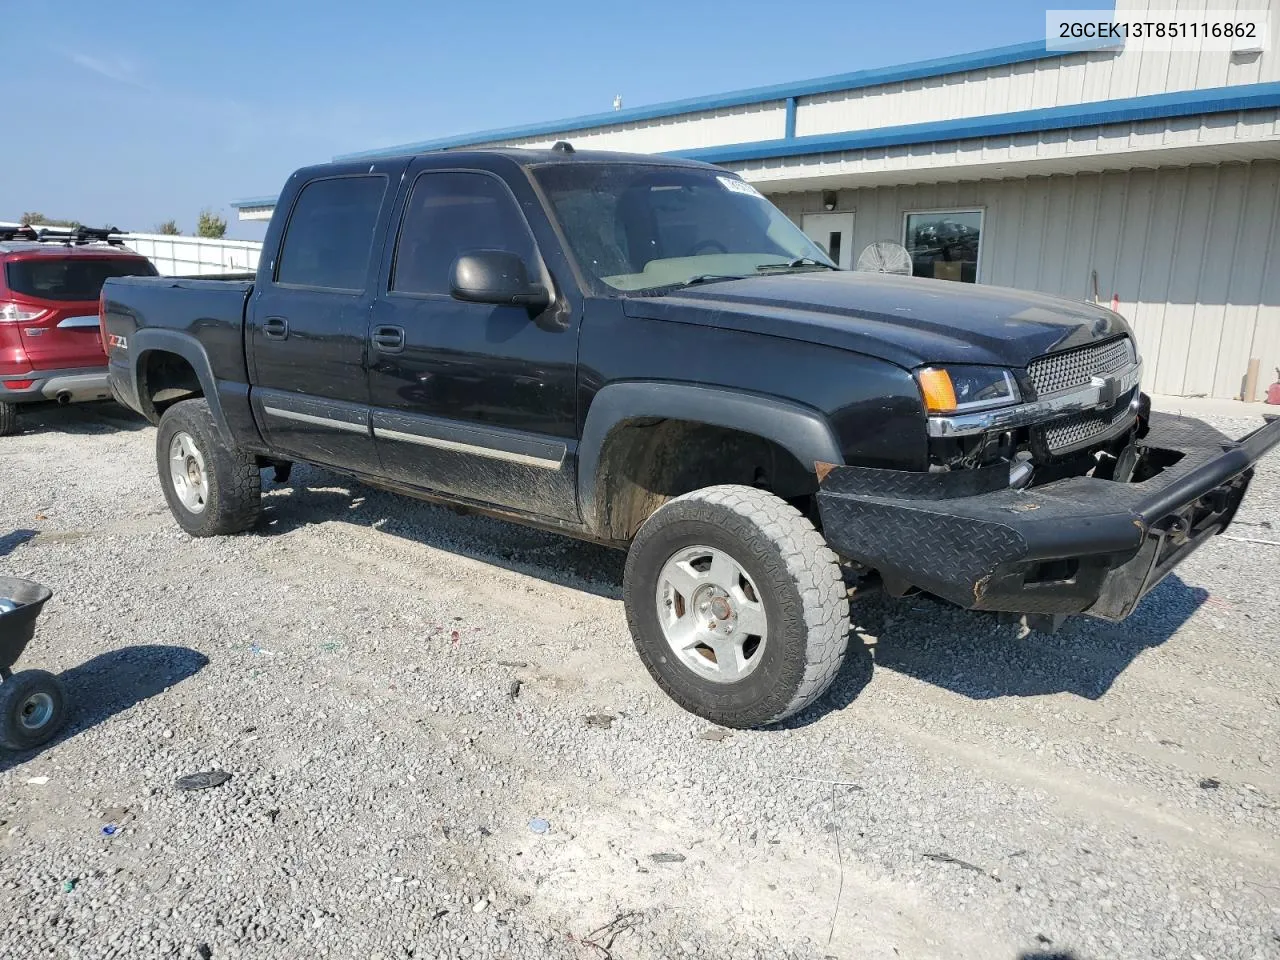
[715, 246]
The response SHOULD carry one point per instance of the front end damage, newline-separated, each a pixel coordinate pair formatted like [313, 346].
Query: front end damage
[1075, 544]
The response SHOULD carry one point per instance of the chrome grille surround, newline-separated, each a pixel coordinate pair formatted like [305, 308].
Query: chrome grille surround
[1072, 369]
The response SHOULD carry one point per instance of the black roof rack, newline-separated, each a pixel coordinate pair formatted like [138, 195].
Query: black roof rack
[79, 236]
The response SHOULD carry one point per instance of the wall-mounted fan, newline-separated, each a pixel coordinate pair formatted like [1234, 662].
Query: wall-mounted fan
[884, 256]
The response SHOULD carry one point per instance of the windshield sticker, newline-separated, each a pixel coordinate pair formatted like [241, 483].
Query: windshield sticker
[739, 186]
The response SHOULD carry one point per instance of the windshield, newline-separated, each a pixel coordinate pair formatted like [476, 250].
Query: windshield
[634, 226]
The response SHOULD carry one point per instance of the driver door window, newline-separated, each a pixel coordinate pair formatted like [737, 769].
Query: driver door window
[449, 214]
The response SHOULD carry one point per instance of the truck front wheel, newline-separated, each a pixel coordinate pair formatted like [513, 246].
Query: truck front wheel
[212, 490]
[737, 605]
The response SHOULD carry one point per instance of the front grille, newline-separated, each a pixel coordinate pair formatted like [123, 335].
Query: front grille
[1081, 429]
[1071, 369]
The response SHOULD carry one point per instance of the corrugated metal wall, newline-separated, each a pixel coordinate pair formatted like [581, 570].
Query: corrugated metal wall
[1193, 254]
[1215, 138]
[708, 128]
[195, 255]
[1077, 78]
[1072, 78]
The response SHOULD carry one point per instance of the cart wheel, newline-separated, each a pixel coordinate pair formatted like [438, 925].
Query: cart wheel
[32, 709]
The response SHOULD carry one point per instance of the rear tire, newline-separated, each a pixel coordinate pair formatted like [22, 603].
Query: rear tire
[737, 606]
[8, 419]
[212, 489]
[32, 709]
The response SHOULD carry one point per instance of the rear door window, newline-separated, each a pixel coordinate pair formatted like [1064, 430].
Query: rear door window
[329, 237]
[72, 278]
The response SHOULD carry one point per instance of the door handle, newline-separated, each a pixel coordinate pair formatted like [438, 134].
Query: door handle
[389, 339]
[275, 328]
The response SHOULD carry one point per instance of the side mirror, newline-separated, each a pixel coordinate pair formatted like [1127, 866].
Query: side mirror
[495, 276]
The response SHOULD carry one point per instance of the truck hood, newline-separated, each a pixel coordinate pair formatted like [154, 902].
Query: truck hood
[909, 321]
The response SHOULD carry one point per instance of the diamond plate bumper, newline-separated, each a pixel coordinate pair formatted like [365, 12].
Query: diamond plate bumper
[1079, 545]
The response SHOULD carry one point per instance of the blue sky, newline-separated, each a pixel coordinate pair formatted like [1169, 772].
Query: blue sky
[134, 112]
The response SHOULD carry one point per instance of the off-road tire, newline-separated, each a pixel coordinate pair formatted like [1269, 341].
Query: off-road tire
[801, 587]
[15, 693]
[8, 419]
[234, 482]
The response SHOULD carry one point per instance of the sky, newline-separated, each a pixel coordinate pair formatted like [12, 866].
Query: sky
[132, 113]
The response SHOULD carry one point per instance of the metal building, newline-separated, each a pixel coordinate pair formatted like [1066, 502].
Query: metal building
[1147, 181]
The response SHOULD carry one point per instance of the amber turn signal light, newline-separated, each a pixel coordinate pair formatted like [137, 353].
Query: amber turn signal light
[939, 394]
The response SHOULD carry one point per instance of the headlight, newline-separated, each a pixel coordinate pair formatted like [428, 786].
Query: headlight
[960, 389]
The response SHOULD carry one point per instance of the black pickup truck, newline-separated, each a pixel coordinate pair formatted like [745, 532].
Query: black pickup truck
[646, 353]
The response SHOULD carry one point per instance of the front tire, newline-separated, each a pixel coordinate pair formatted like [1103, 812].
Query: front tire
[32, 709]
[212, 489]
[736, 604]
[8, 419]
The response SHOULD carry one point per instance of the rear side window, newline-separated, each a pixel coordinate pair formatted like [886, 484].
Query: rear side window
[449, 214]
[329, 237]
[73, 278]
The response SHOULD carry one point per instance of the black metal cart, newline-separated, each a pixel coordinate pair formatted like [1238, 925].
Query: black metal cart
[32, 705]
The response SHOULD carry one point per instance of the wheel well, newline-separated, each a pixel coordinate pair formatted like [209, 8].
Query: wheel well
[647, 462]
[163, 379]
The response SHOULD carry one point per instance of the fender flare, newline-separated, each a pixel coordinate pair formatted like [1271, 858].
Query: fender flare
[801, 431]
[191, 350]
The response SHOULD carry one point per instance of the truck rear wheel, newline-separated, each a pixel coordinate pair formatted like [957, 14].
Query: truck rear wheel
[8, 419]
[212, 489]
[737, 606]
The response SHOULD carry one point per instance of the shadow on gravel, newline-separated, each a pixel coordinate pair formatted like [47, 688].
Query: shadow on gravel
[855, 673]
[975, 655]
[315, 496]
[13, 540]
[970, 653]
[112, 683]
[1041, 955]
[79, 419]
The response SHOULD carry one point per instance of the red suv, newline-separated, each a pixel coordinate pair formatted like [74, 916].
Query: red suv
[50, 344]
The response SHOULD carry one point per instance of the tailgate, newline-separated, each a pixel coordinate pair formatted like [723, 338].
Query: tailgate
[61, 290]
[64, 338]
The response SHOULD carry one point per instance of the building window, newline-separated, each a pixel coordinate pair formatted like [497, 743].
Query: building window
[944, 244]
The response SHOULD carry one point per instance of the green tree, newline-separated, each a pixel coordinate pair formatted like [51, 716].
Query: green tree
[40, 219]
[169, 228]
[211, 225]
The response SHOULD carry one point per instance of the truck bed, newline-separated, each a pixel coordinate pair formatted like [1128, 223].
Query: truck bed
[210, 308]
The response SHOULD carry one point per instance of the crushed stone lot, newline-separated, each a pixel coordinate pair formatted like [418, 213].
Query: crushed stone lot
[405, 697]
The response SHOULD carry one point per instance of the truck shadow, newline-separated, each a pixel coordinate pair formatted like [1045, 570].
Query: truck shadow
[976, 655]
[973, 654]
[315, 496]
[111, 683]
[79, 419]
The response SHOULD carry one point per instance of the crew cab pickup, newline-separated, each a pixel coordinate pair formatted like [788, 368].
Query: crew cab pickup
[646, 353]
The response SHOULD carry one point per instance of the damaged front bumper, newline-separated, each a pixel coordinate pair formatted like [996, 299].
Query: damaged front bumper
[1078, 545]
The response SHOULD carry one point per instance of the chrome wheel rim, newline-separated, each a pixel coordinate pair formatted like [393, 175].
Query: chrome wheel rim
[186, 470]
[711, 614]
[36, 711]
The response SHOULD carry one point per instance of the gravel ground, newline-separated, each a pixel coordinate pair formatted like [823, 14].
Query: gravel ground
[398, 690]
